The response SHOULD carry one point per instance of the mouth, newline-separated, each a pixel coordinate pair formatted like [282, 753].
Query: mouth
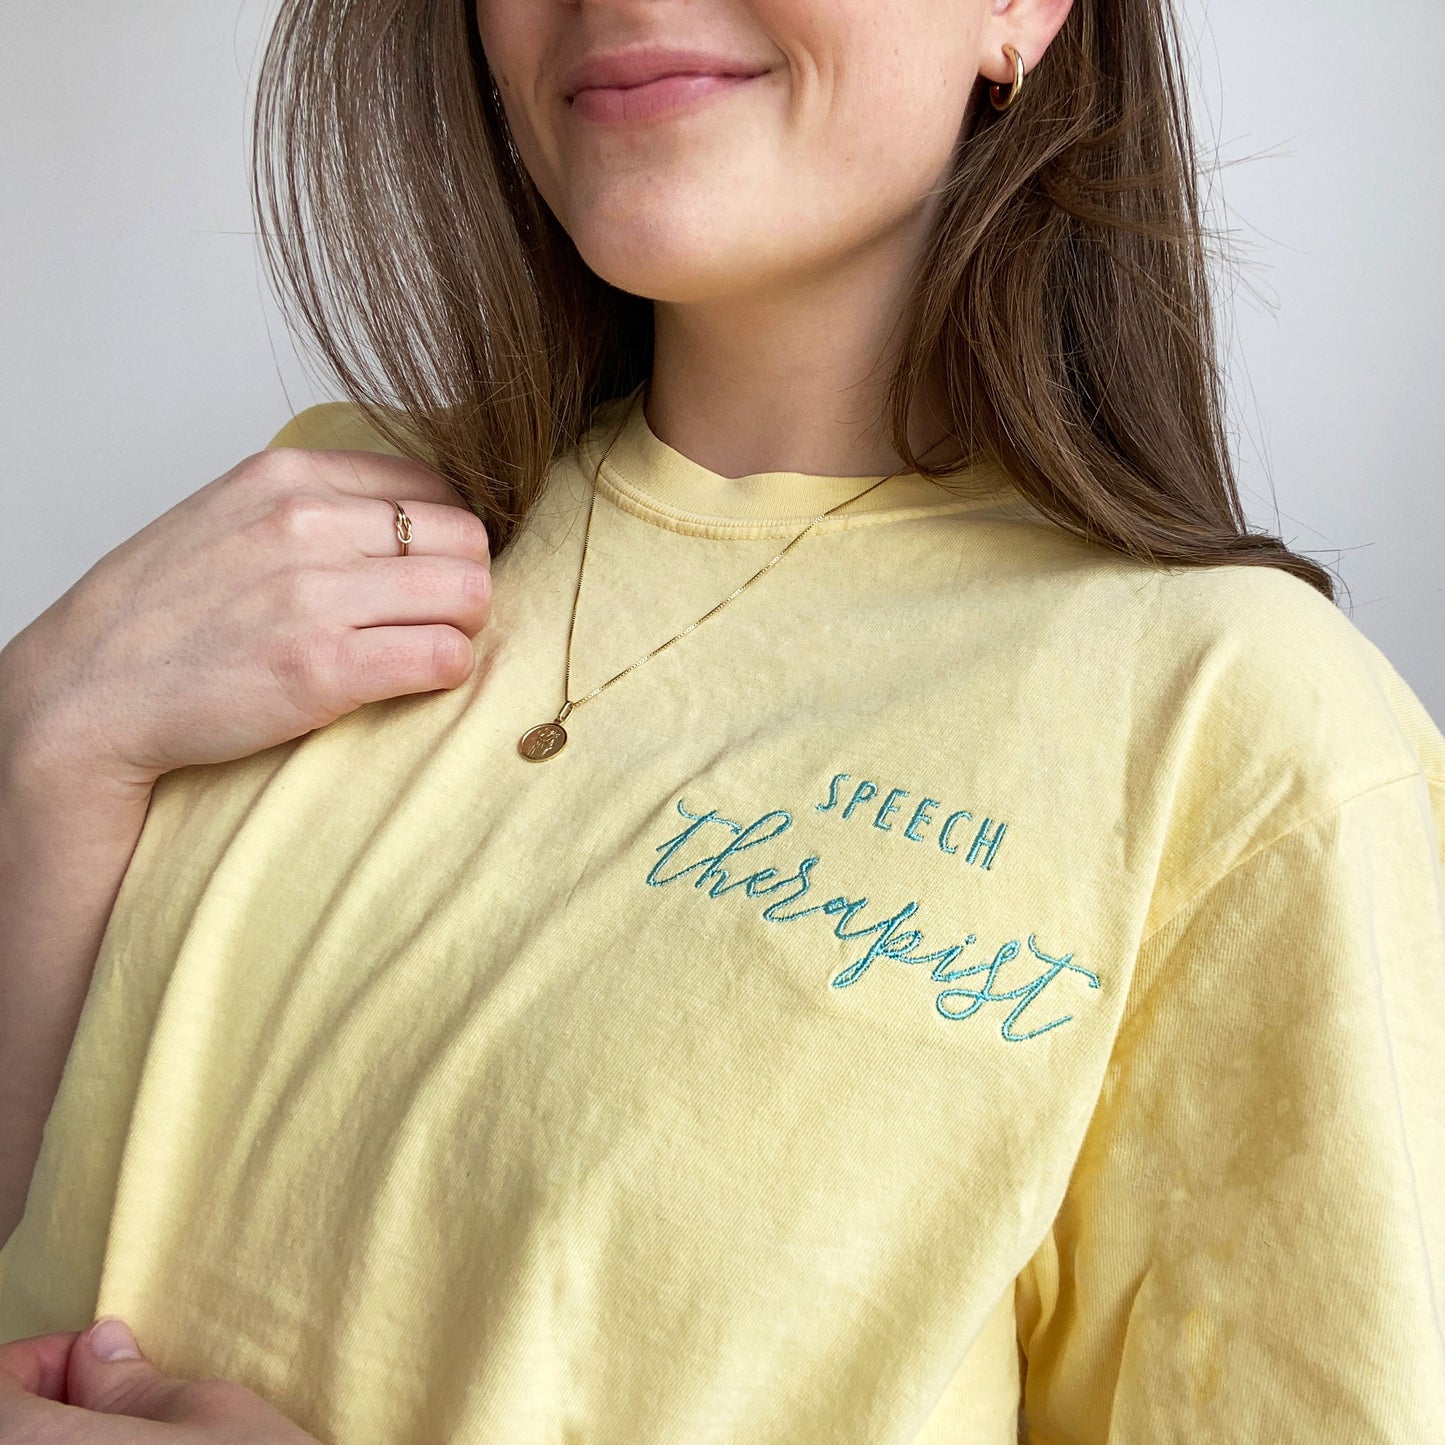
[663, 95]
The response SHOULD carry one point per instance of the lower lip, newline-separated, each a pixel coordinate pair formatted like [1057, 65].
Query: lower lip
[657, 98]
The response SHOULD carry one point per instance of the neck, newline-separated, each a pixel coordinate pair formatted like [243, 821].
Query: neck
[793, 379]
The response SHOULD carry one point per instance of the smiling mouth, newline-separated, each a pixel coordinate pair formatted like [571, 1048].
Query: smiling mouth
[664, 95]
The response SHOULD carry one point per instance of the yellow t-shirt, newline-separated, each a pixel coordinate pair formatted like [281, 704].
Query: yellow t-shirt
[972, 971]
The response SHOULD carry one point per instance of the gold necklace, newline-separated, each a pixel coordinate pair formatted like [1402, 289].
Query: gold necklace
[548, 739]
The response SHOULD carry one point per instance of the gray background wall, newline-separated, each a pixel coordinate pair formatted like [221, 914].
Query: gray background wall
[144, 356]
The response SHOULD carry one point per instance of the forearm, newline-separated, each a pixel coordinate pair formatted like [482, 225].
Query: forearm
[66, 839]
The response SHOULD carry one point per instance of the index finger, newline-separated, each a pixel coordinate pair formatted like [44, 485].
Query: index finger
[375, 474]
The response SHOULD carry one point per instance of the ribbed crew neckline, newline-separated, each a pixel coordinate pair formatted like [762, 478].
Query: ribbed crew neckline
[643, 475]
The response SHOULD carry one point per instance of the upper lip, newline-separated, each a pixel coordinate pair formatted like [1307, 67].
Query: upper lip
[638, 66]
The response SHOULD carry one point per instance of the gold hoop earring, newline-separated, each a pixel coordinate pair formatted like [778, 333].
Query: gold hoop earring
[995, 90]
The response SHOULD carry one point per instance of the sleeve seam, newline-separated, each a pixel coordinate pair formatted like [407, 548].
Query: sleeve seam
[1322, 812]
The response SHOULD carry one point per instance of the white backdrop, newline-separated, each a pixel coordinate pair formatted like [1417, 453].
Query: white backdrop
[143, 355]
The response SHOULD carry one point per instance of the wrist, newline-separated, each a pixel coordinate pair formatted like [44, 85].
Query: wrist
[45, 757]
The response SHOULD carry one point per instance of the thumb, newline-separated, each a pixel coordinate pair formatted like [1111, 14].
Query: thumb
[108, 1373]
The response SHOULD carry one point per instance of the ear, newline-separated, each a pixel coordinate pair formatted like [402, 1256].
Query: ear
[1028, 25]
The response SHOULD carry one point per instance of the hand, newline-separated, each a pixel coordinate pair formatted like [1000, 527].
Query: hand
[268, 603]
[54, 1391]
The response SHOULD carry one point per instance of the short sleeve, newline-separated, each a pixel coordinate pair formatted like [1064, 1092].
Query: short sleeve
[1252, 1242]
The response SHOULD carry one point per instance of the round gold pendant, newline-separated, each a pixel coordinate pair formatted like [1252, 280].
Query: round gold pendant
[544, 741]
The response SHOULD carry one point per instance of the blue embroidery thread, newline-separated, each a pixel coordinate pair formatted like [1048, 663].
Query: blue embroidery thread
[866, 791]
[892, 941]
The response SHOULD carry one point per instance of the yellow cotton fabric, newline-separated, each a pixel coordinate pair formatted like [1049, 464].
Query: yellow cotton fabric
[974, 980]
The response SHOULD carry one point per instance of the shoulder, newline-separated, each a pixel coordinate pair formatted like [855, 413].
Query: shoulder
[1272, 709]
[1244, 668]
[335, 426]
[1265, 658]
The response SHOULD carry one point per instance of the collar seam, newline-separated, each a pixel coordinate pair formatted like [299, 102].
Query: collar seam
[623, 494]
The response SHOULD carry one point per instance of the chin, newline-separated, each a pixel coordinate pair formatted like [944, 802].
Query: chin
[667, 256]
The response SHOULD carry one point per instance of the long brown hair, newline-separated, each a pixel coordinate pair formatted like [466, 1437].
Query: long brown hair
[1063, 295]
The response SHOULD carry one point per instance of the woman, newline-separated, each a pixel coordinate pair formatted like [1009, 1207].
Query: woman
[906, 921]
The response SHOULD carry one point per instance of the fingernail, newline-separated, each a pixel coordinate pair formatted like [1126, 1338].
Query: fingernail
[111, 1339]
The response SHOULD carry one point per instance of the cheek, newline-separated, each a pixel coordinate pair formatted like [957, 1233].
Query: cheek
[890, 79]
[867, 141]
[887, 132]
[876, 92]
[516, 42]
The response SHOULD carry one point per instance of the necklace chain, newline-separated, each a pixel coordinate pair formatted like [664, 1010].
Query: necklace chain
[547, 739]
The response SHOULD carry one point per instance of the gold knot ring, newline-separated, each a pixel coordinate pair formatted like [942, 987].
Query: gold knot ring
[403, 527]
